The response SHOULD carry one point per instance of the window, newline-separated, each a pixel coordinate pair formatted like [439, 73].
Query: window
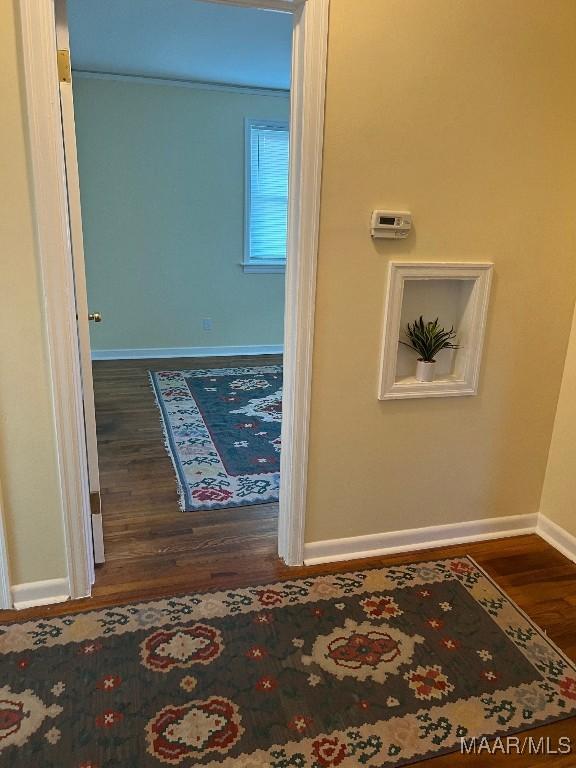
[267, 145]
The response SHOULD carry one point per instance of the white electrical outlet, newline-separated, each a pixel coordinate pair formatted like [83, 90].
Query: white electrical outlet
[207, 324]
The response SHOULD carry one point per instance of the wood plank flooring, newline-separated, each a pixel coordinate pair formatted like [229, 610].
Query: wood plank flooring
[145, 532]
[154, 550]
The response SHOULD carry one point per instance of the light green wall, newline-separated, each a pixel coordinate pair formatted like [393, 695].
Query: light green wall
[162, 185]
[28, 469]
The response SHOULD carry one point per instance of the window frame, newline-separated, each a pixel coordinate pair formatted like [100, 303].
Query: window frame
[249, 265]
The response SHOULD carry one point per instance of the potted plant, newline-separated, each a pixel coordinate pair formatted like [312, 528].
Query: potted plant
[427, 339]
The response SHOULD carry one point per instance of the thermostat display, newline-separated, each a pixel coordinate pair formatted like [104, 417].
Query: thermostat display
[391, 224]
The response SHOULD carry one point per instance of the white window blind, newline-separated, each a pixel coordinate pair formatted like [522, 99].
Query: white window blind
[266, 193]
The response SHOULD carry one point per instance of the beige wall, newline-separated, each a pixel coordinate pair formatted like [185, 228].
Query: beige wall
[559, 494]
[27, 452]
[464, 112]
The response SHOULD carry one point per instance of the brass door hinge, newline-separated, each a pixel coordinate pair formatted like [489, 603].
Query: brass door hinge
[64, 68]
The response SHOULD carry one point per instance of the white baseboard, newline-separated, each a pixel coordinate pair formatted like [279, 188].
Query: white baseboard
[373, 545]
[36, 593]
[557, 537]
[167, 352]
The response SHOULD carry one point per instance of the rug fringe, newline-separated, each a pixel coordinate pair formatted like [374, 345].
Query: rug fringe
[179, 486]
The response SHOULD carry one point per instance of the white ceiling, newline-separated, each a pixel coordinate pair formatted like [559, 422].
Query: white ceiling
[184, 39]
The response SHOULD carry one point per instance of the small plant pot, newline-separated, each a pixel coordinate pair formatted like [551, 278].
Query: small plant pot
[425, 370]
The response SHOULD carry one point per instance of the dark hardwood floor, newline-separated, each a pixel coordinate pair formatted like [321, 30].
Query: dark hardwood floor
[149, 542]
[155, 550]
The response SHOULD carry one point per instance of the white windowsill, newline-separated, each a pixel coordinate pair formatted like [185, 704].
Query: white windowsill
[263, 267]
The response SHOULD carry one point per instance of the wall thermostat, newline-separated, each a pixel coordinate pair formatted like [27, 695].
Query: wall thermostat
[391, 224]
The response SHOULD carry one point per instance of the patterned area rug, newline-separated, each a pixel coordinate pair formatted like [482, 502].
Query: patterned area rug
[222, 431]
[382, 667]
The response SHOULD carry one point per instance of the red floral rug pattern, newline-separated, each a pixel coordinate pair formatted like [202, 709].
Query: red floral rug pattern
[379, 667]
[222, 433]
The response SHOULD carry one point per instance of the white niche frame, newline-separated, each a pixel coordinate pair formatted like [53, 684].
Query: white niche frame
[466, 367]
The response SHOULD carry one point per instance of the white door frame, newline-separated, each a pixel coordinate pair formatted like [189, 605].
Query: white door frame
[79, 267]
[55, 255]
[5, 592]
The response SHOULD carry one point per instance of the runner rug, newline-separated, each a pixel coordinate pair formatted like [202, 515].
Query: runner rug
[222, 432]
[381, 667]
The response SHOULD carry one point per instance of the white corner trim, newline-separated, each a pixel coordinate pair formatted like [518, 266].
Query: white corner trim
[169, 352]
[310, 44]
[55, 257]
[374, 545]
[557, 537]
[288, 6]
[5, 593]
[36, 593]
[196, 85]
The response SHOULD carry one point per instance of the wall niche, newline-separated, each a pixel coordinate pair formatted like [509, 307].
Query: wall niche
[455, 292]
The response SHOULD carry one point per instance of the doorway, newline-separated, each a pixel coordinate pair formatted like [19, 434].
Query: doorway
[181, 126]
[306, 141]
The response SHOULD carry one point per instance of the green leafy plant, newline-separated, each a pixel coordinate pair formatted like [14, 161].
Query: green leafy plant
[427, 339]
